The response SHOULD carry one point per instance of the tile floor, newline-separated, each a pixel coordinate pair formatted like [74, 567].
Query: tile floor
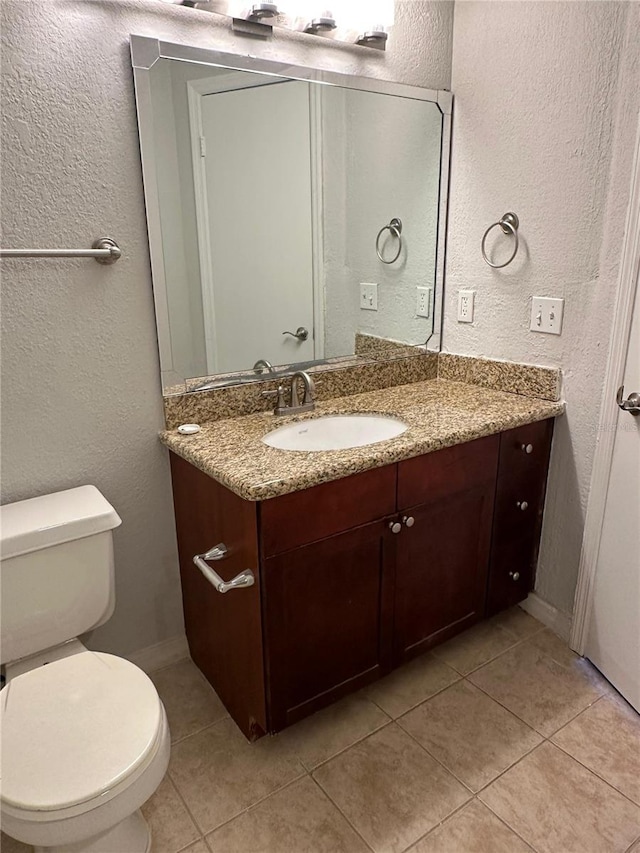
[500, 741]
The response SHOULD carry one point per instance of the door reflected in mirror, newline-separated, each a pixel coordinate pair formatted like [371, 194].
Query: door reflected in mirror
[291, 222]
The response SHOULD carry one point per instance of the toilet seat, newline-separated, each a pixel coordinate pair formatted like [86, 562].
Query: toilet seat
[75, 732]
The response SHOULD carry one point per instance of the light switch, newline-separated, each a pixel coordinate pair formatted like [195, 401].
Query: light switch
[546, 314]
[369, 297]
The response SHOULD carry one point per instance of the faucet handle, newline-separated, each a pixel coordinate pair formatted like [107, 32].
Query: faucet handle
[278, 393]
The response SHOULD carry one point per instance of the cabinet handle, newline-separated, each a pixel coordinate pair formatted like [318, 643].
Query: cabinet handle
[523, 505]
[395, 526]
[528, 448]
[219, 552]
[514, 576]
[408, 520]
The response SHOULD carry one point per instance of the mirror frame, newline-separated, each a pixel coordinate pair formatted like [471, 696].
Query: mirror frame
[146, 51]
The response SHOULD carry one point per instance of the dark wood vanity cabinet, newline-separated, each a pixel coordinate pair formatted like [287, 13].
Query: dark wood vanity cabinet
[442, 558]
[355, 576]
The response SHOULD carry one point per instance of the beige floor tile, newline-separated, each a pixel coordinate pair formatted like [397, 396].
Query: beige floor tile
[535, 687]
[219, 773]
[390, 790]
[476, 646]
[473, 829]
[328, 732]
[519, 623]
[474, 737]
[10, 845]
[558, 806]
[411, 684]
[169, 821]
[635, 848]
[298, 819]
[198, 847]
[190, 702]
[606, 739]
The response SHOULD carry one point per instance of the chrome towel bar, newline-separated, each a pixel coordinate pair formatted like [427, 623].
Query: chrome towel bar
[104, 251]
[220, 552]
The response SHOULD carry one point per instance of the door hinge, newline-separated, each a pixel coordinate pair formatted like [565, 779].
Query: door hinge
[203, 146]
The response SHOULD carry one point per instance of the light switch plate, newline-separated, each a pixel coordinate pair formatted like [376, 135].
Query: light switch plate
[423, 301]
[546, 314]
[368, 297]
[466, 301]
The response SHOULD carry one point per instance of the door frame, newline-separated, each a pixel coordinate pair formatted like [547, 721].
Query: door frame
[628, 282]
[196, 90]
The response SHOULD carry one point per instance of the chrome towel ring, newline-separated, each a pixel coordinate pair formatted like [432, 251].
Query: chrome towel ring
[395, 227]
[509, 224]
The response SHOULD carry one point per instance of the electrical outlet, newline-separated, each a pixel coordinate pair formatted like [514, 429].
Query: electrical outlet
[546, 314]
[369, 297]
[423, 301]
[466, 300]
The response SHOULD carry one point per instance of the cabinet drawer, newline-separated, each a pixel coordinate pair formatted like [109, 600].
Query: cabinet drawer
[520, 492]
[446, 472]
[302, 517]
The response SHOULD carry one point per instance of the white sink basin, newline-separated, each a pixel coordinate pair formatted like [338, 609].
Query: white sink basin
[335, 432]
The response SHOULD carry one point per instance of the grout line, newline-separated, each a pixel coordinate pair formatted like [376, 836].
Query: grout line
[199, 731]
[422, 701]
[335, 805]
[438, 761]
[257, 803]
[188, 810]
[444, 820]
[595, 773]
[509, 827]
[511, 766]
[630, 847]
[344, 749]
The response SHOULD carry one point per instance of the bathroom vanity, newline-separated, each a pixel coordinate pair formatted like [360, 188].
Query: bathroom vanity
[356, 575]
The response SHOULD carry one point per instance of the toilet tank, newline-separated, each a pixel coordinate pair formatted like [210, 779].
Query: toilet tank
[56, 569]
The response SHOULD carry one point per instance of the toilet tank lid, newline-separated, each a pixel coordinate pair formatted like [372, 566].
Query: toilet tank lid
[50, 520]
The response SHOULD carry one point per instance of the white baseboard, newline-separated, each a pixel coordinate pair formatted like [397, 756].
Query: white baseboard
[161, 654]
[556, 620]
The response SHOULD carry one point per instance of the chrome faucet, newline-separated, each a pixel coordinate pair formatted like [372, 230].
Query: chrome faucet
[294, 406]
[308, 403]
[262, 364]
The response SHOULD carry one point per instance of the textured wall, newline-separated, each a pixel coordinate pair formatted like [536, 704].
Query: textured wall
[81, 393]
[546, 110]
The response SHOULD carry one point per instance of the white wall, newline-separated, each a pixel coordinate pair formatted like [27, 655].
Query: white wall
[81, 396]
[547, 98]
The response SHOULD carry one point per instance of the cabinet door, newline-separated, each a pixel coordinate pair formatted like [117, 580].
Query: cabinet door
[327, 620]
[522, 479]
[442, 558]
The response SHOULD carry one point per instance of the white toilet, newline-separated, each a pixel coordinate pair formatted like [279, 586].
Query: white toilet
[85, 740]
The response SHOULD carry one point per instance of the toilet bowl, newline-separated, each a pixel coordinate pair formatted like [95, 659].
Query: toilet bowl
[85, 739]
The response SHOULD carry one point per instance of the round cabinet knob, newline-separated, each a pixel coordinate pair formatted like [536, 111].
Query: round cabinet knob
[395, 526]
[408, 521]
[528, 448]
[514, 576]
[523, 505]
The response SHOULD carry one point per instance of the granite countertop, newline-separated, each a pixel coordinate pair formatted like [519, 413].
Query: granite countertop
[439, 413]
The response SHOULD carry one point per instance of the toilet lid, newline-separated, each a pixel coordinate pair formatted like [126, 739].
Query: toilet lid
[74, 728]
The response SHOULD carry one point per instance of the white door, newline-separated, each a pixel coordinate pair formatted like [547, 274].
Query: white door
[258, 185]
[613, 634]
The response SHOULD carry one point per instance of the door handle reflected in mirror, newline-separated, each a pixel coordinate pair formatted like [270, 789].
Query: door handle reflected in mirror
[300, 333]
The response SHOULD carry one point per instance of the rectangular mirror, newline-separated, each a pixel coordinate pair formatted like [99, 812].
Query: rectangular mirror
[296, 217]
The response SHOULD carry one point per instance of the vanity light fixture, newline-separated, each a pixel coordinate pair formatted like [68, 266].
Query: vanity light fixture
[349, 21]
[322, 24]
